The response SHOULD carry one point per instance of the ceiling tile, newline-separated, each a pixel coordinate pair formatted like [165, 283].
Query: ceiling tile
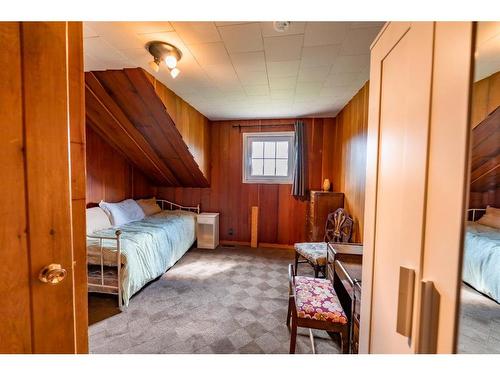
[358, 41]
[252, 77]
[341, 79]
[283, 48]
[280, 94]
[101, 50]
[258, 99]
[283, 68]
[320, 55]
[91, 63]
[88, 31]
[242, 38]
[295, 28]
[298, 73]
[210, 53]
[197, 32]
[147, 27]
[117, 34]
[282, 83]
[256, 90]
[350, 64]
[308, 88]
[335, 91]
[324, 33]
[228, 23]
[314, 74]
[358, 25]
[249, 61]
[221, 74]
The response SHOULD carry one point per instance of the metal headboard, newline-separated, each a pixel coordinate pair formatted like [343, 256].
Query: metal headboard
[475, 213]
[167, 205]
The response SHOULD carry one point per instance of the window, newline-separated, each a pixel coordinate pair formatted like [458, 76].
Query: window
[268, 158]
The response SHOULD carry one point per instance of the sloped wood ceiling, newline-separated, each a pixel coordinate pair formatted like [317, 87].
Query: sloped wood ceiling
[123, 107]
[485, 159]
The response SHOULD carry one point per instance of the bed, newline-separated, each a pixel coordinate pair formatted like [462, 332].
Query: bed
[481, 264]
[122, 259]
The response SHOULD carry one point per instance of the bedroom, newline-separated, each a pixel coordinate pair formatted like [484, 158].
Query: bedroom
[201, 159]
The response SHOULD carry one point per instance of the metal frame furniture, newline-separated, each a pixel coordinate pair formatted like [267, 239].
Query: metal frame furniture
[102, 278]
[475, 212]
[313, 323]
[338, 228]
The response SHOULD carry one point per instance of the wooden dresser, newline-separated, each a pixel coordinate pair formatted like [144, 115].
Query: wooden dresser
[321, 204]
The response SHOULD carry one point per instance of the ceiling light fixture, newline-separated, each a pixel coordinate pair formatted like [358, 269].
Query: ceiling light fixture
[166, 52]
[174, 72]
[281, 26]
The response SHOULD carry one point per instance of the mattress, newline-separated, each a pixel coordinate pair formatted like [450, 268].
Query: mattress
[149, 247]
[481, 265]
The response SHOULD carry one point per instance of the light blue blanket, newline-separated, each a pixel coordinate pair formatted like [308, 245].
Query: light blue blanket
[481, 266]
[151, 246]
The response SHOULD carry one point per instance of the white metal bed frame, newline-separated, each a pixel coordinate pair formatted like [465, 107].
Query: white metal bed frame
[117, 290]
[474, 210]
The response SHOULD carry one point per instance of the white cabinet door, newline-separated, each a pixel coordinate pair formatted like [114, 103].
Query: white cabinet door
[402, 85]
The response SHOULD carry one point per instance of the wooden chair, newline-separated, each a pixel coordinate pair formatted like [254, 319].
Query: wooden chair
[338, 228]
[309, 308]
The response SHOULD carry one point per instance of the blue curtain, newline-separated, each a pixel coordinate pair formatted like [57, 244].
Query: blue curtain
[299, 185]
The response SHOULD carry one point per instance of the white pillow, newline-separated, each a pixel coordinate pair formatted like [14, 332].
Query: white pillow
[491, 218]
[149, 206]
[122, 212]
[96, 219]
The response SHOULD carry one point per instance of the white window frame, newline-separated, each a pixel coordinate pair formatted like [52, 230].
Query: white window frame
[247, 157]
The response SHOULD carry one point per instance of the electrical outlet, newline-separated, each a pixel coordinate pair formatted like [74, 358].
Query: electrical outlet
[230, 231]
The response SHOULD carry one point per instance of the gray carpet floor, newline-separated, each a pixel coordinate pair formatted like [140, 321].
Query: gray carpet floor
[479, 326]
[228, 300]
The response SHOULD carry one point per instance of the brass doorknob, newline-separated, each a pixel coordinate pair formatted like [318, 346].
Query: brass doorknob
[52, 274]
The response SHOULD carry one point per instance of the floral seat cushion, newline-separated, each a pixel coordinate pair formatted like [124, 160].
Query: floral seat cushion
[315, 252]
[316, 299]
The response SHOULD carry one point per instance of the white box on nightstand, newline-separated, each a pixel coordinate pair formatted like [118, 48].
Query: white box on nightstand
[207, 230]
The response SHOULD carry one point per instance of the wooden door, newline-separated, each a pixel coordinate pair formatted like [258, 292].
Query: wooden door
[36, 199]
[413, 152]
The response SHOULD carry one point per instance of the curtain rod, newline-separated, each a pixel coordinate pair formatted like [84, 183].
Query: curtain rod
[264, 125]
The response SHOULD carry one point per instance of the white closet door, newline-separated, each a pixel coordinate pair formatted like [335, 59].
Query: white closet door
[400, 111]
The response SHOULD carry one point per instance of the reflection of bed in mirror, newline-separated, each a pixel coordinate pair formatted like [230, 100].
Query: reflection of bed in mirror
[481, 264]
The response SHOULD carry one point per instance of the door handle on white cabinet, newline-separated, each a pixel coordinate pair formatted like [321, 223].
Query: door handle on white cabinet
[405, 301]
[429, 318]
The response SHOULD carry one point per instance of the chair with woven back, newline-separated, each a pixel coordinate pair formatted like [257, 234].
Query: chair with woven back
[338, 228]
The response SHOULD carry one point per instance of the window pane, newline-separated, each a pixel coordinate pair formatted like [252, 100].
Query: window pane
[257, 166]
[270, 150]
[257, 149]
[269, 167]
[281, 167]
[282, 149]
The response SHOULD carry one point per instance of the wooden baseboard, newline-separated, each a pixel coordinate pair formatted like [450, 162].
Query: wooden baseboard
[261, 244]
[230, 242]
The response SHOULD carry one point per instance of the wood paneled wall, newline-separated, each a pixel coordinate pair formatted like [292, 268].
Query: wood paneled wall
[110, 176]
[349, 157]
[193, 126]
[335, 150]
[281, 217]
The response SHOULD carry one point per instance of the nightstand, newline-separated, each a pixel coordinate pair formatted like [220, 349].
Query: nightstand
[207, 230]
